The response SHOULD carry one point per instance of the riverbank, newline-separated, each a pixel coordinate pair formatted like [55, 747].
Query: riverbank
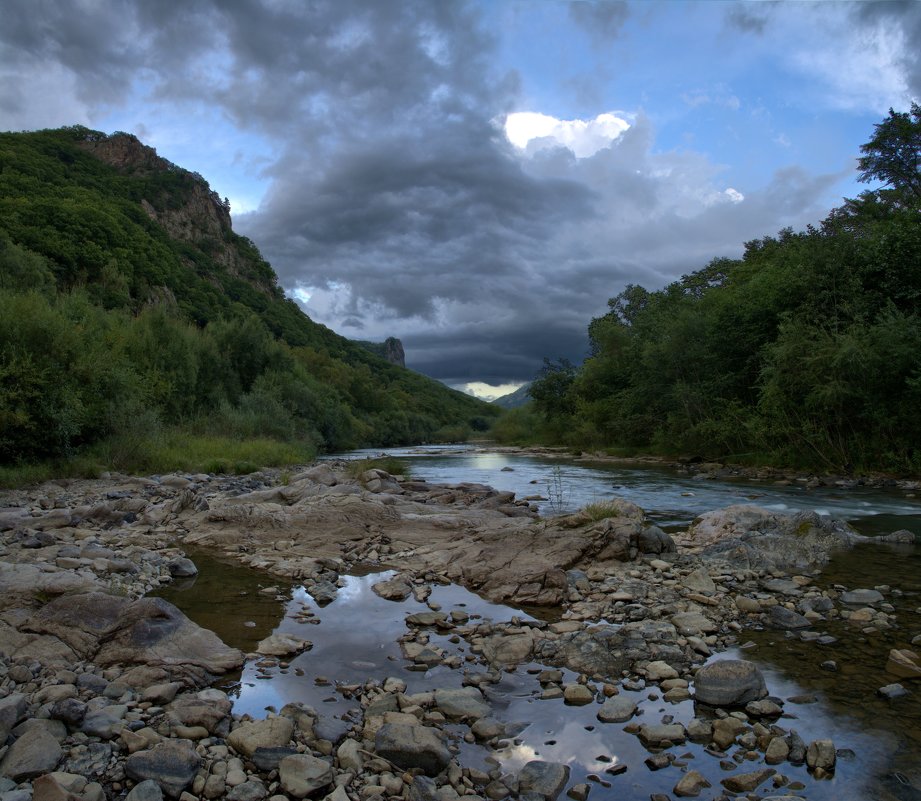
[631, 613]
[710, 470]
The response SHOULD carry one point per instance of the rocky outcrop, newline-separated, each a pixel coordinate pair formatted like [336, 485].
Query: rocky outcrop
[111, 630]
[758, 538]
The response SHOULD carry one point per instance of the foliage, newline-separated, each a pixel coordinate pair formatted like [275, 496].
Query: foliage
[113, 330]
[806, 350]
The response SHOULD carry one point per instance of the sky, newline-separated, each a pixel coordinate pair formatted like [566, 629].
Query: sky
[477, 178]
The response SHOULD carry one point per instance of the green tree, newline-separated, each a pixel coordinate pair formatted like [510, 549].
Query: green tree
[893, 155]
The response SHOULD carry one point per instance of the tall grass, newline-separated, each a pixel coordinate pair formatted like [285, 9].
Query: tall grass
[165, 451]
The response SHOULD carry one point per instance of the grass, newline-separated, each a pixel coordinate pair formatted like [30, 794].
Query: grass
[165, 452]
[599, 510]
[389, 464]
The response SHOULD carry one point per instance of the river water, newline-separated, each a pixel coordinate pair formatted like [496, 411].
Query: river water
[356, 637]
[669, 497]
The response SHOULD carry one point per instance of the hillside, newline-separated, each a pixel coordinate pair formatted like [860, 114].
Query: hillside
[515, 399]
[128, 305]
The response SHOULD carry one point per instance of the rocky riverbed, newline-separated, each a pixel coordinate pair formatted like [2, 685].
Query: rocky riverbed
[106, 691]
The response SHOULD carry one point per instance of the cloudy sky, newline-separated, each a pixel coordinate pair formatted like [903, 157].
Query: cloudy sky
[478, 178]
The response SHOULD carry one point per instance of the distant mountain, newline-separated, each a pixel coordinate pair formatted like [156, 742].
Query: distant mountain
[126, 295]
[513, 400]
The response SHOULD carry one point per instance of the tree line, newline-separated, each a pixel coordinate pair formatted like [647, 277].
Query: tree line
[804, 351]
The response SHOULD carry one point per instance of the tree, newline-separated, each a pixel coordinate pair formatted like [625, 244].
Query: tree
[893, 155]
[551, 390]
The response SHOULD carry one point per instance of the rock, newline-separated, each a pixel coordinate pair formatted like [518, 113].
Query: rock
[147, 790]
[508, 649]
[655, 734]
[350, 756]
[147, 631]
[424, 619]
[777, 751]
[690, 784]
[465, 703]
[780, 617]
[105, 723]
[323, 592]
[821, 754]
[725, 731]
[268, 733]
[251, 790]
[693, 623]
[412, 747]
[904, 663]
[34, 753]
[546, 779]
[616, 709]
[660, 671]
[172, 764]
[729, 682]
[210, 712]
[891, 691]
[577, 695]
[653, 540]
[861, 597]
[487, 729]
[699, 581]
[746, 782]
[578, 792]
[302, 774]
[13, 708]
[268, 759]
[395, 589]
[283, 645]
[181, 567]
[763, 709]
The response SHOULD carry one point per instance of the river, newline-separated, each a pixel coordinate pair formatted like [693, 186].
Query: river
[356, 636]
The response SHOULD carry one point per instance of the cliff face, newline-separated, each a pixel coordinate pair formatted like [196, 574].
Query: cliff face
[393, 351]
[196, 214]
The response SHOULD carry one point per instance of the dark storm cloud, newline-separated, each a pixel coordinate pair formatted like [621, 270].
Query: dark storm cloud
[394, 199]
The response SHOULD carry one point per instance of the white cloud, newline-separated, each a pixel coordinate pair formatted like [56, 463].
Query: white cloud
[583, 137]
[488, 392]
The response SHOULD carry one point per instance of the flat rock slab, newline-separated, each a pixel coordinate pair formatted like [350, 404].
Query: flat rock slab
[172, 764]
[546, 779]
[729, 682]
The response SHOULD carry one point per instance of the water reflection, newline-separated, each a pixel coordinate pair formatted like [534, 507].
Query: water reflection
[670, 498]
[357, 639]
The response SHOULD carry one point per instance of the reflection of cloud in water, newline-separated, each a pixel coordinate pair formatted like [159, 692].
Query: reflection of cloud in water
[573, 743]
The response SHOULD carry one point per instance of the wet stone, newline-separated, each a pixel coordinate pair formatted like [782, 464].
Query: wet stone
[729, 682]
[545, 779]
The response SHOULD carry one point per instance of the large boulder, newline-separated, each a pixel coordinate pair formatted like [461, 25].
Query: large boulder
[112, 630]
[729, 682]
[757, 538]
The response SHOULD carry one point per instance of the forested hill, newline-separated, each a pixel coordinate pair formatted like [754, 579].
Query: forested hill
[129, 309]
[804, 351]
